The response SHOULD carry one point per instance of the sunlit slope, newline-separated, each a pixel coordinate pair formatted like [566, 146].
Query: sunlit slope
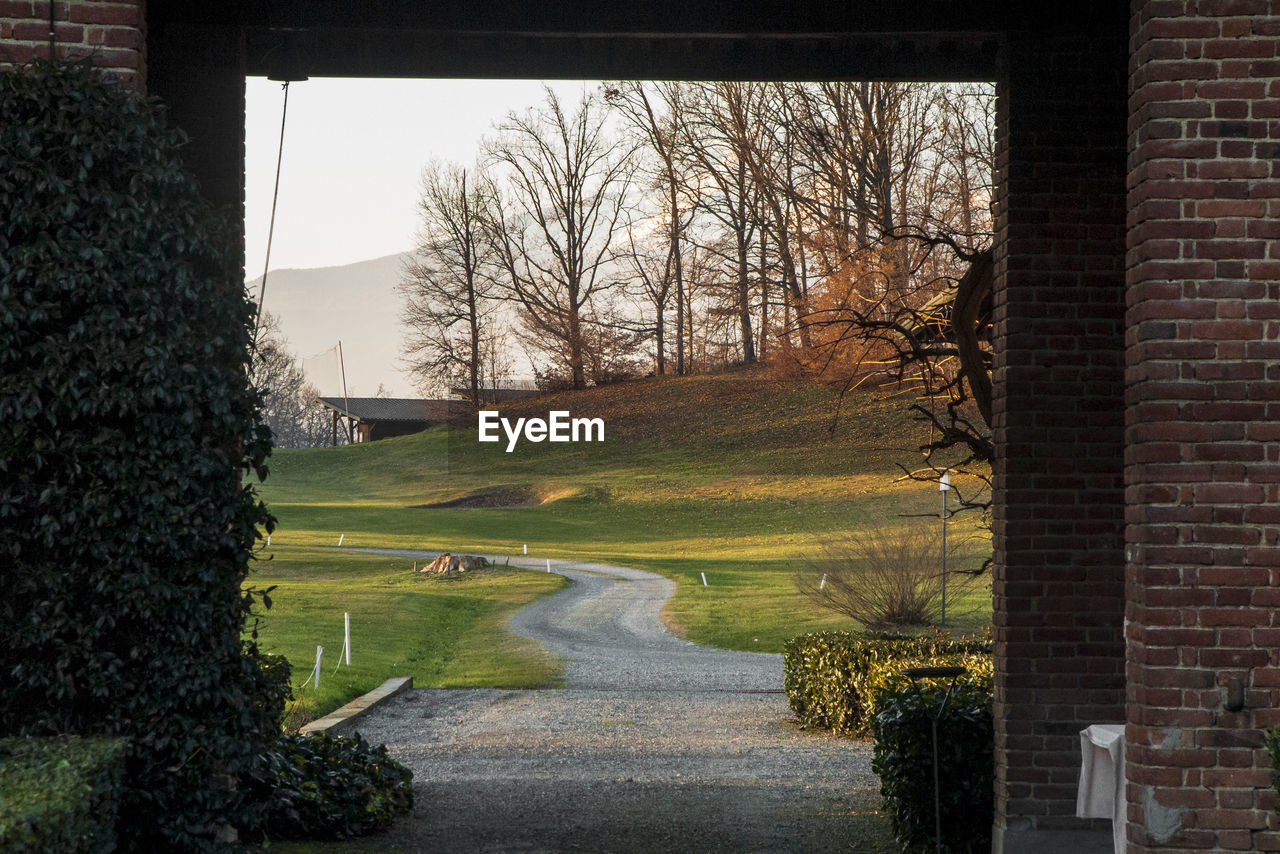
[737, 476]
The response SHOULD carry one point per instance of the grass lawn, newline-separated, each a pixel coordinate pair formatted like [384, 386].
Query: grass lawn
[444, 632]
[737, 477]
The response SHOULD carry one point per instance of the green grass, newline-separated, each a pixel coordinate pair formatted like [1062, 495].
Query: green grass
[444, 632]
[736, 476]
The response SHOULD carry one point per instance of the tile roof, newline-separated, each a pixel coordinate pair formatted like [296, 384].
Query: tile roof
[373, 409]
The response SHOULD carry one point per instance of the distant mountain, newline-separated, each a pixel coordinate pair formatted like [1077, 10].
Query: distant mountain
[356, 304]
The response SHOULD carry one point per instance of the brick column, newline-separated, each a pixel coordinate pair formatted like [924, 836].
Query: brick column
[110, 34]
[1203, 424]
[1058, 515]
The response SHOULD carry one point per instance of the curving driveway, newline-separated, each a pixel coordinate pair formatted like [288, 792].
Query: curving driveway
[654, 744]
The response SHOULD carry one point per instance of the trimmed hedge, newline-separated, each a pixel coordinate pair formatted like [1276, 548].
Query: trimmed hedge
[901, 724]
[60, 795]
[825, 673]
[129, 436]
[329, 787]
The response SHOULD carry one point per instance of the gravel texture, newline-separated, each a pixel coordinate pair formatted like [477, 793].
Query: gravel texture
[654, 744]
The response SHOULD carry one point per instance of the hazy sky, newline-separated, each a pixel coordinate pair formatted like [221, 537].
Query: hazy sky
[353, 157]
[353, 154]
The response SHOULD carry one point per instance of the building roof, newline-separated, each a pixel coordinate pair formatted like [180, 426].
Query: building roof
[373, 409]
[499, 395]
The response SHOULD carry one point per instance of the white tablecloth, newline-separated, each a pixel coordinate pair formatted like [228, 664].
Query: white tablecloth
[1101, 793]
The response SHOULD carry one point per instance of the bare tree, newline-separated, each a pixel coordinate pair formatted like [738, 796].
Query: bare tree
[565, 182]
[899, 175]
[653, 271]
[449, 296]
[656, 119]
[713, 133]
[289, 402]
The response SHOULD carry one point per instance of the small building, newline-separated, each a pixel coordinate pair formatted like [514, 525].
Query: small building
[373, 418]
[490, 396]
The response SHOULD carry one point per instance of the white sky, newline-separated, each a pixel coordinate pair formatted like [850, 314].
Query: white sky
[353, 154]
[354, 150]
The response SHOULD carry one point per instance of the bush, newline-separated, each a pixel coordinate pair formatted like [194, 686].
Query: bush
[1272, 739]
[825, 673]
[59, 795]
[884, 578]
[127, 430]
[901, 724]
[276, 688]
[330, 787]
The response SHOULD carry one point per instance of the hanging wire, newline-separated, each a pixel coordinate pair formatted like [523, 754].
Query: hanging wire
[271, 227]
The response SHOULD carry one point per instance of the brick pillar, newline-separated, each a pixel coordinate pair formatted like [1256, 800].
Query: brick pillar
[110, 34]
[1203, 423]
[1058, 425]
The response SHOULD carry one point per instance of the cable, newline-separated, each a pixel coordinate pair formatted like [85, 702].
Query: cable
[271, 227]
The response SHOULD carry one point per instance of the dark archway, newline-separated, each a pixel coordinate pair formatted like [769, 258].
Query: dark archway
[1060, 277]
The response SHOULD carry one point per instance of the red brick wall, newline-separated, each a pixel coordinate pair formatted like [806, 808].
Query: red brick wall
[109, 32]
[1058, 516]
[1203, 422]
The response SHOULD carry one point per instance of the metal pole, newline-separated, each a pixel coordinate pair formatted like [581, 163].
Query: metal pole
[271, 226]
[944, 557]
[937, 788]
[954, 672]
[346, 402]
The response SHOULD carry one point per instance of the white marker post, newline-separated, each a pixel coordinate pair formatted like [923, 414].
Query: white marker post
[319, 655]
[823, 585]
[341, 537]
[548, 564]
[526, 548]
[346, 641]
[704, 579]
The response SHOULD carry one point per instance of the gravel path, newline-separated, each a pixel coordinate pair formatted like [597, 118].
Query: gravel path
[653, 745]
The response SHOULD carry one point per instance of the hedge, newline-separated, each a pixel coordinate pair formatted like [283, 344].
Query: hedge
[60, 795]
[1271, 739]
[901, 724]
[129, 438]
[825, 673]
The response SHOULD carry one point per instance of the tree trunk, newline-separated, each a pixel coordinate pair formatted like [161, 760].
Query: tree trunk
[660, 335]
[744, 306]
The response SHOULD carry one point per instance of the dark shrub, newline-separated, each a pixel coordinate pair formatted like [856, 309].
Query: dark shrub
[901, 724]
[126, 429]
[330, 787]
[60, 795]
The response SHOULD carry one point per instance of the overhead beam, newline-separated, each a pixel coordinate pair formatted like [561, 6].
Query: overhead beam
[509, 55]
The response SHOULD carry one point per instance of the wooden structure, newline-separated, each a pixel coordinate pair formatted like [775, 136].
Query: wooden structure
[373, 418]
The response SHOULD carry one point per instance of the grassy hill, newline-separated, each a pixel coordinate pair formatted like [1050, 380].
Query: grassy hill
[736, 476]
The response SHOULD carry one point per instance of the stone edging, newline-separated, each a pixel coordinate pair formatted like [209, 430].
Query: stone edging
[338, 720]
